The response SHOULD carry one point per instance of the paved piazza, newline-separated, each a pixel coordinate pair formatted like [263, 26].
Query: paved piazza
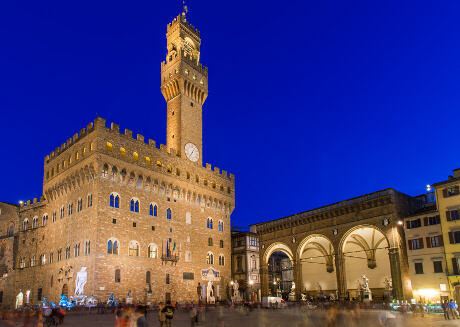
[259, 318]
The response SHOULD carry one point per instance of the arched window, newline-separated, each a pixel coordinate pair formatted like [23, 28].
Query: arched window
[153, 210]
[114, 200]
[87, 247]
[169, 169]
[105, 171]
[209, 223]
[123, 152]
[135, 156]
[59, 255]
[209, 258]
[221, 225]
[109, 147]
[76, 250]
[79, 204]
[221, 187]
[168, 214]
[188, 256]
[147, 160]
[45, 220]
[213, 184]
[134, 206]
[25, 224]
[32, 261]
[153, 251]
[11, 230]
[221, 260]
[133, 249]
[147, 277]
[50, 256]
[89, 200]
[112, 247]
[61, 213]
[117, 276]
[35, 222]
[113, 174]
[221, 244]
[158, 164]
[210, 241]
[42, 259]
[177, 171]
[22, 262]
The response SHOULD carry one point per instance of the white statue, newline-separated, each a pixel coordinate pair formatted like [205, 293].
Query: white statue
[318, 288]
[358, 285]
[80, 281]
[388, 283]
[235, 288]
[365, 283]
[210, 292]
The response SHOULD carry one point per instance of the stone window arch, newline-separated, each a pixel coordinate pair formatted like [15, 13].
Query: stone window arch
[114, 200]
[134, 205]
[153, 209]
[117, 276]
[105, 171]
[113, 174]
[134, 249]
[112, 246]
[221, 260]
[209, 241]
[209, 258]
[153, 251]
[168, 214]
[11, 229]
[25, 224]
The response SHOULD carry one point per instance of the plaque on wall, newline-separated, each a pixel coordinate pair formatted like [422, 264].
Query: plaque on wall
[189, 276]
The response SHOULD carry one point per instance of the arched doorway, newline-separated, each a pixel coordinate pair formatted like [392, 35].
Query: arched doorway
[65, 290]
[19, 300]
[316, 254]
[278, 276]
[365, 252]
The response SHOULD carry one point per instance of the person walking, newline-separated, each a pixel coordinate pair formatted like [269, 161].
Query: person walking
[453, 309]
[445, 308]
[161, 315]
[168, 310]
[141, 320]
[193, 315]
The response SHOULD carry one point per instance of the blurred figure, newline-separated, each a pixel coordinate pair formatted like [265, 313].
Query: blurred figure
[445, 308]
[141, 320]
[387, 319]
[453, 309]
[161, 315]
[193, 316]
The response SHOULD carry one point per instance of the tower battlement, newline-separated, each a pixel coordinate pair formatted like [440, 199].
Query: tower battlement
[100, 123]
[184, 22]
[35, 202]
[182, 55]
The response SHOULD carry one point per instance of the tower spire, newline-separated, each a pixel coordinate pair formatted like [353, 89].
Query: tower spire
[185, 10]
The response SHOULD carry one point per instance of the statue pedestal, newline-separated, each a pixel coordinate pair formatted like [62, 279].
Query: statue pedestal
[388, 294]
[319, 294]
[211, 300]
[367, 297]
[359, 295]
[129, 300]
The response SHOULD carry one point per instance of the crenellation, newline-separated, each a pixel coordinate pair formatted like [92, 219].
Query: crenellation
[63, 146]
[128, 133]
[89, 127]
[99, 122]
[152, 143]
[82, 132]
[69, 141]
[75, 137]
[208, 166]
[57, 150]
[115, 127]
[140, 138]
[163, 148]
[217, 170]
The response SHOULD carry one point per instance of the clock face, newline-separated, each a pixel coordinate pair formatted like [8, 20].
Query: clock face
[192, 152]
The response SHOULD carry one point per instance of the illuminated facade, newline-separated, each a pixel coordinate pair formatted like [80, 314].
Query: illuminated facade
[143, 219]
[448, 205]
[426, 257]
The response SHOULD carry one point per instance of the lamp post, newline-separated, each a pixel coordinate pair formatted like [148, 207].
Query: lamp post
[251, 298]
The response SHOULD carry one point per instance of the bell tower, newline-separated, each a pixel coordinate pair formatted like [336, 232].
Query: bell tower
[184, 85]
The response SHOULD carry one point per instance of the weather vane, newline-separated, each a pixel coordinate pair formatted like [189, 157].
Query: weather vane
[185, 8]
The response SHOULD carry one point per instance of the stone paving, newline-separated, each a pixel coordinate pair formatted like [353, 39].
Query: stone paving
[259, 318]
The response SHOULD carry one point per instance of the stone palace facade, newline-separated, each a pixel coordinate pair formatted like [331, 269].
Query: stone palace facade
[138, 216]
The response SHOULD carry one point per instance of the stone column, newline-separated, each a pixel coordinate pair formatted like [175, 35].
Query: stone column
[395, 267]
[341, 276]
[264, 280]
[298, 280]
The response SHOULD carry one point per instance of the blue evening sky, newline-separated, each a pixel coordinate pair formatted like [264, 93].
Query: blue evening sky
[310, 102]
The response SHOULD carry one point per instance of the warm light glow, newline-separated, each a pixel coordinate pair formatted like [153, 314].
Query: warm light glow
[274, 283]
[251, 282]
[428, 188]
[443, 287]
[429, 292]
[231, 283]
[21, 202]
[400, 222]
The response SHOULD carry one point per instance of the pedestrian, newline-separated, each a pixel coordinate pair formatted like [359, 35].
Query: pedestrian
[445, 308]
[453, 309]
[141, 320]
[161, 315]
[193, 316]
[420, 307]
[61, 314]
[168, 310]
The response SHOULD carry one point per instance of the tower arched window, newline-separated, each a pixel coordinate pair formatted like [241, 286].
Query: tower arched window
[153, 210]
[209, 241]
[45, 220]
[11, 230]
[209, 223]
[221, 225]
[168, 214]
[35, 222]
[113, 174]
[87, 247]
[134, 206]
[114, 200]
[221, 260]
[89, 200]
